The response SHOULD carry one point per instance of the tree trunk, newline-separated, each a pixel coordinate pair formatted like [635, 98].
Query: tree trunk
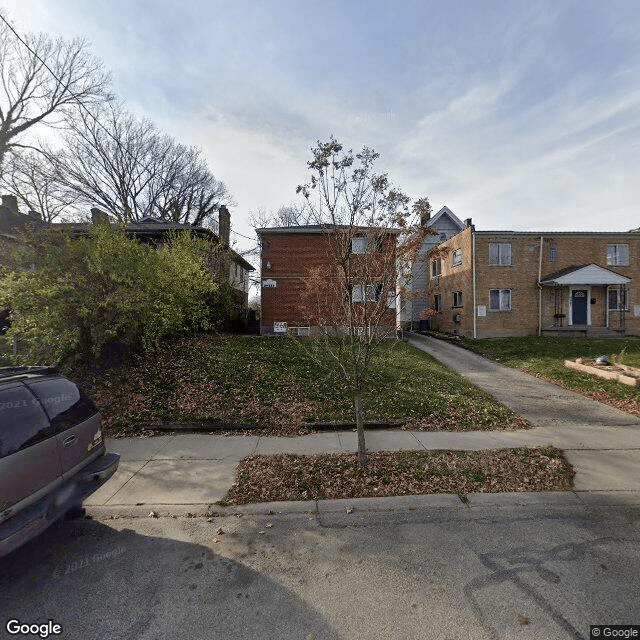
[362, 450]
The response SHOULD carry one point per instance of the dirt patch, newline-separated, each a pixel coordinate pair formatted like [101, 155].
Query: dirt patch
[266, 478]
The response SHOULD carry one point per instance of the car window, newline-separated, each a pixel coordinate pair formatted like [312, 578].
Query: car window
[65, 404]
[22, 420]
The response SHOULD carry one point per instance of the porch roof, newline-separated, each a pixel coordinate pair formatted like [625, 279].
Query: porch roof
[585, 274]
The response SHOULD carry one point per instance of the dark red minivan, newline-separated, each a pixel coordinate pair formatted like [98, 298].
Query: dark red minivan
[52, 453]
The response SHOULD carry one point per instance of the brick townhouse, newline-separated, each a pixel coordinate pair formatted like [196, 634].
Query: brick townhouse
[505, 283]
[289, 256]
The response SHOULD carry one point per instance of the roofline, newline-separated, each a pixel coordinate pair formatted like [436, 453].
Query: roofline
[320, 229]
[634, 234]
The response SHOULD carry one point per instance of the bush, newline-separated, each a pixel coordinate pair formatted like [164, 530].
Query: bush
[80, 296]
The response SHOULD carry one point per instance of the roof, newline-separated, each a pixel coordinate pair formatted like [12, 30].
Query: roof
[149, 227]
[550, 234]
[446, 212]
[585, 274]
[323, 228]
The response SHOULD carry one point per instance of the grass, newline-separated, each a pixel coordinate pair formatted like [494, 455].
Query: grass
[545, 356]
[274, 382]
[266, 478]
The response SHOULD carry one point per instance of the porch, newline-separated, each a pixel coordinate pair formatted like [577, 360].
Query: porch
[588, 301]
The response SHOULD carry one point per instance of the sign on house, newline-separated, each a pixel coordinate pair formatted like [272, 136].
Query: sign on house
[482, 311]
[279, 327]
[269, 284]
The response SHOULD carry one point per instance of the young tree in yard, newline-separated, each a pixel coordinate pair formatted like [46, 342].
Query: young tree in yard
[41, 79]
[372, 238]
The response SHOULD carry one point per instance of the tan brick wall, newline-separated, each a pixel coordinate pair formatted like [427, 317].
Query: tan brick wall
[291, 256]
[521, 277]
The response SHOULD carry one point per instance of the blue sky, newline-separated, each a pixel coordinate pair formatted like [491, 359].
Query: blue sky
[519, 115]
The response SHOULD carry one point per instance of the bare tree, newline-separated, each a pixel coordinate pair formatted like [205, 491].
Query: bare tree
[130, 169]
[372, 239]
[32, 179]
[41, 79]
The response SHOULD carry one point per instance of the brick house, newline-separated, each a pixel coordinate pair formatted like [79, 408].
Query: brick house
[291, 255]
[505, 283]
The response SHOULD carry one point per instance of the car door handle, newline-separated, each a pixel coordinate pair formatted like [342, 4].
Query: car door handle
[67, 442]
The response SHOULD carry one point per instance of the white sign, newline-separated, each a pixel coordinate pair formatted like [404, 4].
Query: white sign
[636, 310]
[269, 284]
[482, 311]
[279, 327]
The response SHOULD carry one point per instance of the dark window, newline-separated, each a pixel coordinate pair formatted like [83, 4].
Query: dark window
[617, 300]
[436, 267]
[64, 403]
[22, 420]
[437, 302]
[618, 255]
[500, 299]
[457, 298]
[553, 252]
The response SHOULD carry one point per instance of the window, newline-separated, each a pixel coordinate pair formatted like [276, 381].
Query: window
[499, 253]
[366, 292]
[456, 257]
[391, 300]
[457, 298]
[22, 420]
[362, 244]
[617, 300]
[553, 252]
[436, 268]
[65, 404]
[437, 302]
[500, 299]
[618, 255]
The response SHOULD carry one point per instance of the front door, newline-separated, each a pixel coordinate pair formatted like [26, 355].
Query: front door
[579, 301]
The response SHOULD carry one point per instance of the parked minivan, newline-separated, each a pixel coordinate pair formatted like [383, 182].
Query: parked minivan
[52, 452]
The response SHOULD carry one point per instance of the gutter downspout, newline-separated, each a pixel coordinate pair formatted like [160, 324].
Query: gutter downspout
[540, 289]
[473, 262]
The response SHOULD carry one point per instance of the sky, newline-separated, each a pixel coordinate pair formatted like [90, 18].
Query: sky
[522, 115]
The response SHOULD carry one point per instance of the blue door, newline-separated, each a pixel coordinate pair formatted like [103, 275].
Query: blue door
[579, 302]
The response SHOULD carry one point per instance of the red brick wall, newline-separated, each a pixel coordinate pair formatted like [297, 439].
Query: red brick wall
[291, 256]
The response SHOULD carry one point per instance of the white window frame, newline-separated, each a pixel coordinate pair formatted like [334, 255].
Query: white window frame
[437, 302]
[365, 292]
[500, 306]
[361, 245]
[614, 259]
[436, 265]
[456, 257]
[457, 299]
[501, 259]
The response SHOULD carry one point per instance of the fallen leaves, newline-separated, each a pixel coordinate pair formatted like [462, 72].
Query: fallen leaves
[266, 478]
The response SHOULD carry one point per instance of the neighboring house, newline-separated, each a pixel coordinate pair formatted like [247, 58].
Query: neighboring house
[444, 225]
[507, 283]
[288, 256]
[149, 230]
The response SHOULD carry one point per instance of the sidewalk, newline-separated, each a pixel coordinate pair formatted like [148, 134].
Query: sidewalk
[182, 473]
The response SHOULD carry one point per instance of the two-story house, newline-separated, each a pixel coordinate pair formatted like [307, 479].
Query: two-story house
[507, 283]
[303, 289]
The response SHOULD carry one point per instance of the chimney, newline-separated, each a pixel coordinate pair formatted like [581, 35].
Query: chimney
[98, 216]
[11, 202]
[467, 222]
[224, 224]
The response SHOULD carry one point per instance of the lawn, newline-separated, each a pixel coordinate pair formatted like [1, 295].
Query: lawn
[545, 356]
[267, 381]
[266, 478]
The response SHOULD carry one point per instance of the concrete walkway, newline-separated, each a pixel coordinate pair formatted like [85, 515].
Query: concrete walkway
[182, 473]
